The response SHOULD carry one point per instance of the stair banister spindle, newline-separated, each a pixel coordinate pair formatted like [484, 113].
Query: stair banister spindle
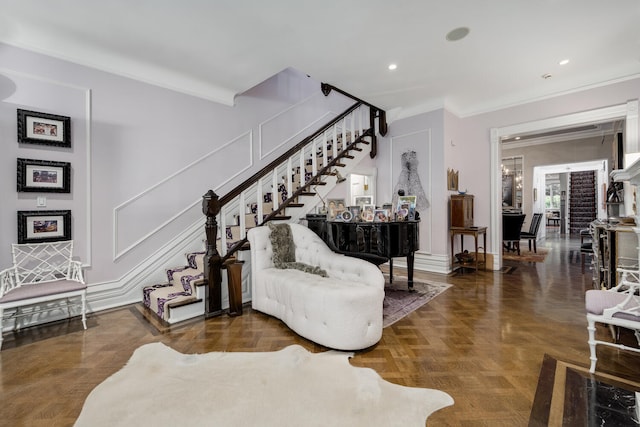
[314, 158]
[260, 200]
[302, 173]
[223, 230]
[289, 176]
[324, 149]
[274, 191]
[334, 144]
[242, 205]
[344, 133]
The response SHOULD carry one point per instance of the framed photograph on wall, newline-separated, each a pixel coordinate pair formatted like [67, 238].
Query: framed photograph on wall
[43, 176]
[44, 129]
[44, 226]
[452, 180]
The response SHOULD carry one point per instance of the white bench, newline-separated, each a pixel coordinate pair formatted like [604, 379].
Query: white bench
[41, 273]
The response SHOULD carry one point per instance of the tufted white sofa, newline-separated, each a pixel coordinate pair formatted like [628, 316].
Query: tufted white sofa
[342, 311]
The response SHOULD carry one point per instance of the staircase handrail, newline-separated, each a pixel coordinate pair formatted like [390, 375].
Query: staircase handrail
[298, 192]
[212, 204]
[265, 170]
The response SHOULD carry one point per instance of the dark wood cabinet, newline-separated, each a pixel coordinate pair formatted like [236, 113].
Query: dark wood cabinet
[461, 210]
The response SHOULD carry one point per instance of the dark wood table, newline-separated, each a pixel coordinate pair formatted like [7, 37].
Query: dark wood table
[474, 232]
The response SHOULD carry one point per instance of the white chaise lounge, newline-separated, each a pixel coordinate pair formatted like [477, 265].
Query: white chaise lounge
[341, 311]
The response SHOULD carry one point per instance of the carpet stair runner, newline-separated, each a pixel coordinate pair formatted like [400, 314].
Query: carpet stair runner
[183, 295]
[184, 285]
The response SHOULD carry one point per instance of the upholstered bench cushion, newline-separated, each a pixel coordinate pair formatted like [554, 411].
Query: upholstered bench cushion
[37, 290]
[596, 301]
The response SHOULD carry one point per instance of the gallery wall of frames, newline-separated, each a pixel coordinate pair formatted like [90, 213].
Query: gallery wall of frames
[43, 176]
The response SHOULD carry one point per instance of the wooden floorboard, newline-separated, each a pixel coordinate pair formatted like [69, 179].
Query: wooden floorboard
[482, 341]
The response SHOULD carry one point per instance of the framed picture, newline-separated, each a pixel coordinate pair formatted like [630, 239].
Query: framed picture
[381, 215]
[356, 212]
[367, 212]
[43, 128]
[44, 226]
[406, 207]
[43, 176]
[362, 200]
[344, 216]
[335, 206]
[452, 180]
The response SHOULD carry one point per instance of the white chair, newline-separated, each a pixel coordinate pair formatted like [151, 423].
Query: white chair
[616, 307]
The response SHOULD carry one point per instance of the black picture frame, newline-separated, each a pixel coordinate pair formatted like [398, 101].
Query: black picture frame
[44, 226]
[43, 176]
[43, 129]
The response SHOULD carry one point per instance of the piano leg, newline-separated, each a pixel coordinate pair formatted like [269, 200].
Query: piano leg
[390, 270]
[410, 271]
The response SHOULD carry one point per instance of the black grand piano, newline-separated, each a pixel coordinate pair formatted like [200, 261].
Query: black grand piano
[376, 242]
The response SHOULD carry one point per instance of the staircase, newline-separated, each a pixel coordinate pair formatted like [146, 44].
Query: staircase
[582, 201]
[285, 190]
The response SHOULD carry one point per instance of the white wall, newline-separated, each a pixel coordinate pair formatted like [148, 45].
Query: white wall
[133, 143]
[464, 144]
[142, 156]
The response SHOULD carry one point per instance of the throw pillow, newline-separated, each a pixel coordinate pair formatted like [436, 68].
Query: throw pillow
[284, 251]
[306, 268]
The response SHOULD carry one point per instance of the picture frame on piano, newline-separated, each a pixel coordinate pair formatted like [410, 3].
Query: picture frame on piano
[406, 207]
[381, 215]
[345, 216]
[356, 212]
[368, 213]
[335, 206]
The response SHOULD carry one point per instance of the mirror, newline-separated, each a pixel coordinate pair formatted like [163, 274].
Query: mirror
[512, 182]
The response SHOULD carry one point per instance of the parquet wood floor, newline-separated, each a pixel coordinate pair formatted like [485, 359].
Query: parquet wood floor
[482, 341]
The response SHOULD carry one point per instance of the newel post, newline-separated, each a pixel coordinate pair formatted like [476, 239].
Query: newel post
[212, 259]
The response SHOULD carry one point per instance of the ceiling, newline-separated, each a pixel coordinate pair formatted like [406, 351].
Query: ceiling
[217, 49]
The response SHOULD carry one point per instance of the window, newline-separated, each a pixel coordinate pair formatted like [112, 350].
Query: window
[552, 193]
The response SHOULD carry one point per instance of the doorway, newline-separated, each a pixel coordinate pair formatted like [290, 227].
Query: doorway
[627, 112]
[551, 181]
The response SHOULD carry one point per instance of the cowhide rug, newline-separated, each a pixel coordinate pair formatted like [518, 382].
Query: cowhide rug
[290, 387]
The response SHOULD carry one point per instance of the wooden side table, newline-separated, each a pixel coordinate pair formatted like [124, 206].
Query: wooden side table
[470, 231]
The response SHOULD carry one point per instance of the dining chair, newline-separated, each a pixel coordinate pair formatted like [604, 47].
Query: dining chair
[532, 234]
[511, 231]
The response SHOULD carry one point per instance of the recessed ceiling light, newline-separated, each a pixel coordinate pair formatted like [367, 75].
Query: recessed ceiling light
[457, 34]
[564, 62]
[392, 66]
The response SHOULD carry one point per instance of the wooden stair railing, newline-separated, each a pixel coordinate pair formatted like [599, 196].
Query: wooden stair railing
[348, 125]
